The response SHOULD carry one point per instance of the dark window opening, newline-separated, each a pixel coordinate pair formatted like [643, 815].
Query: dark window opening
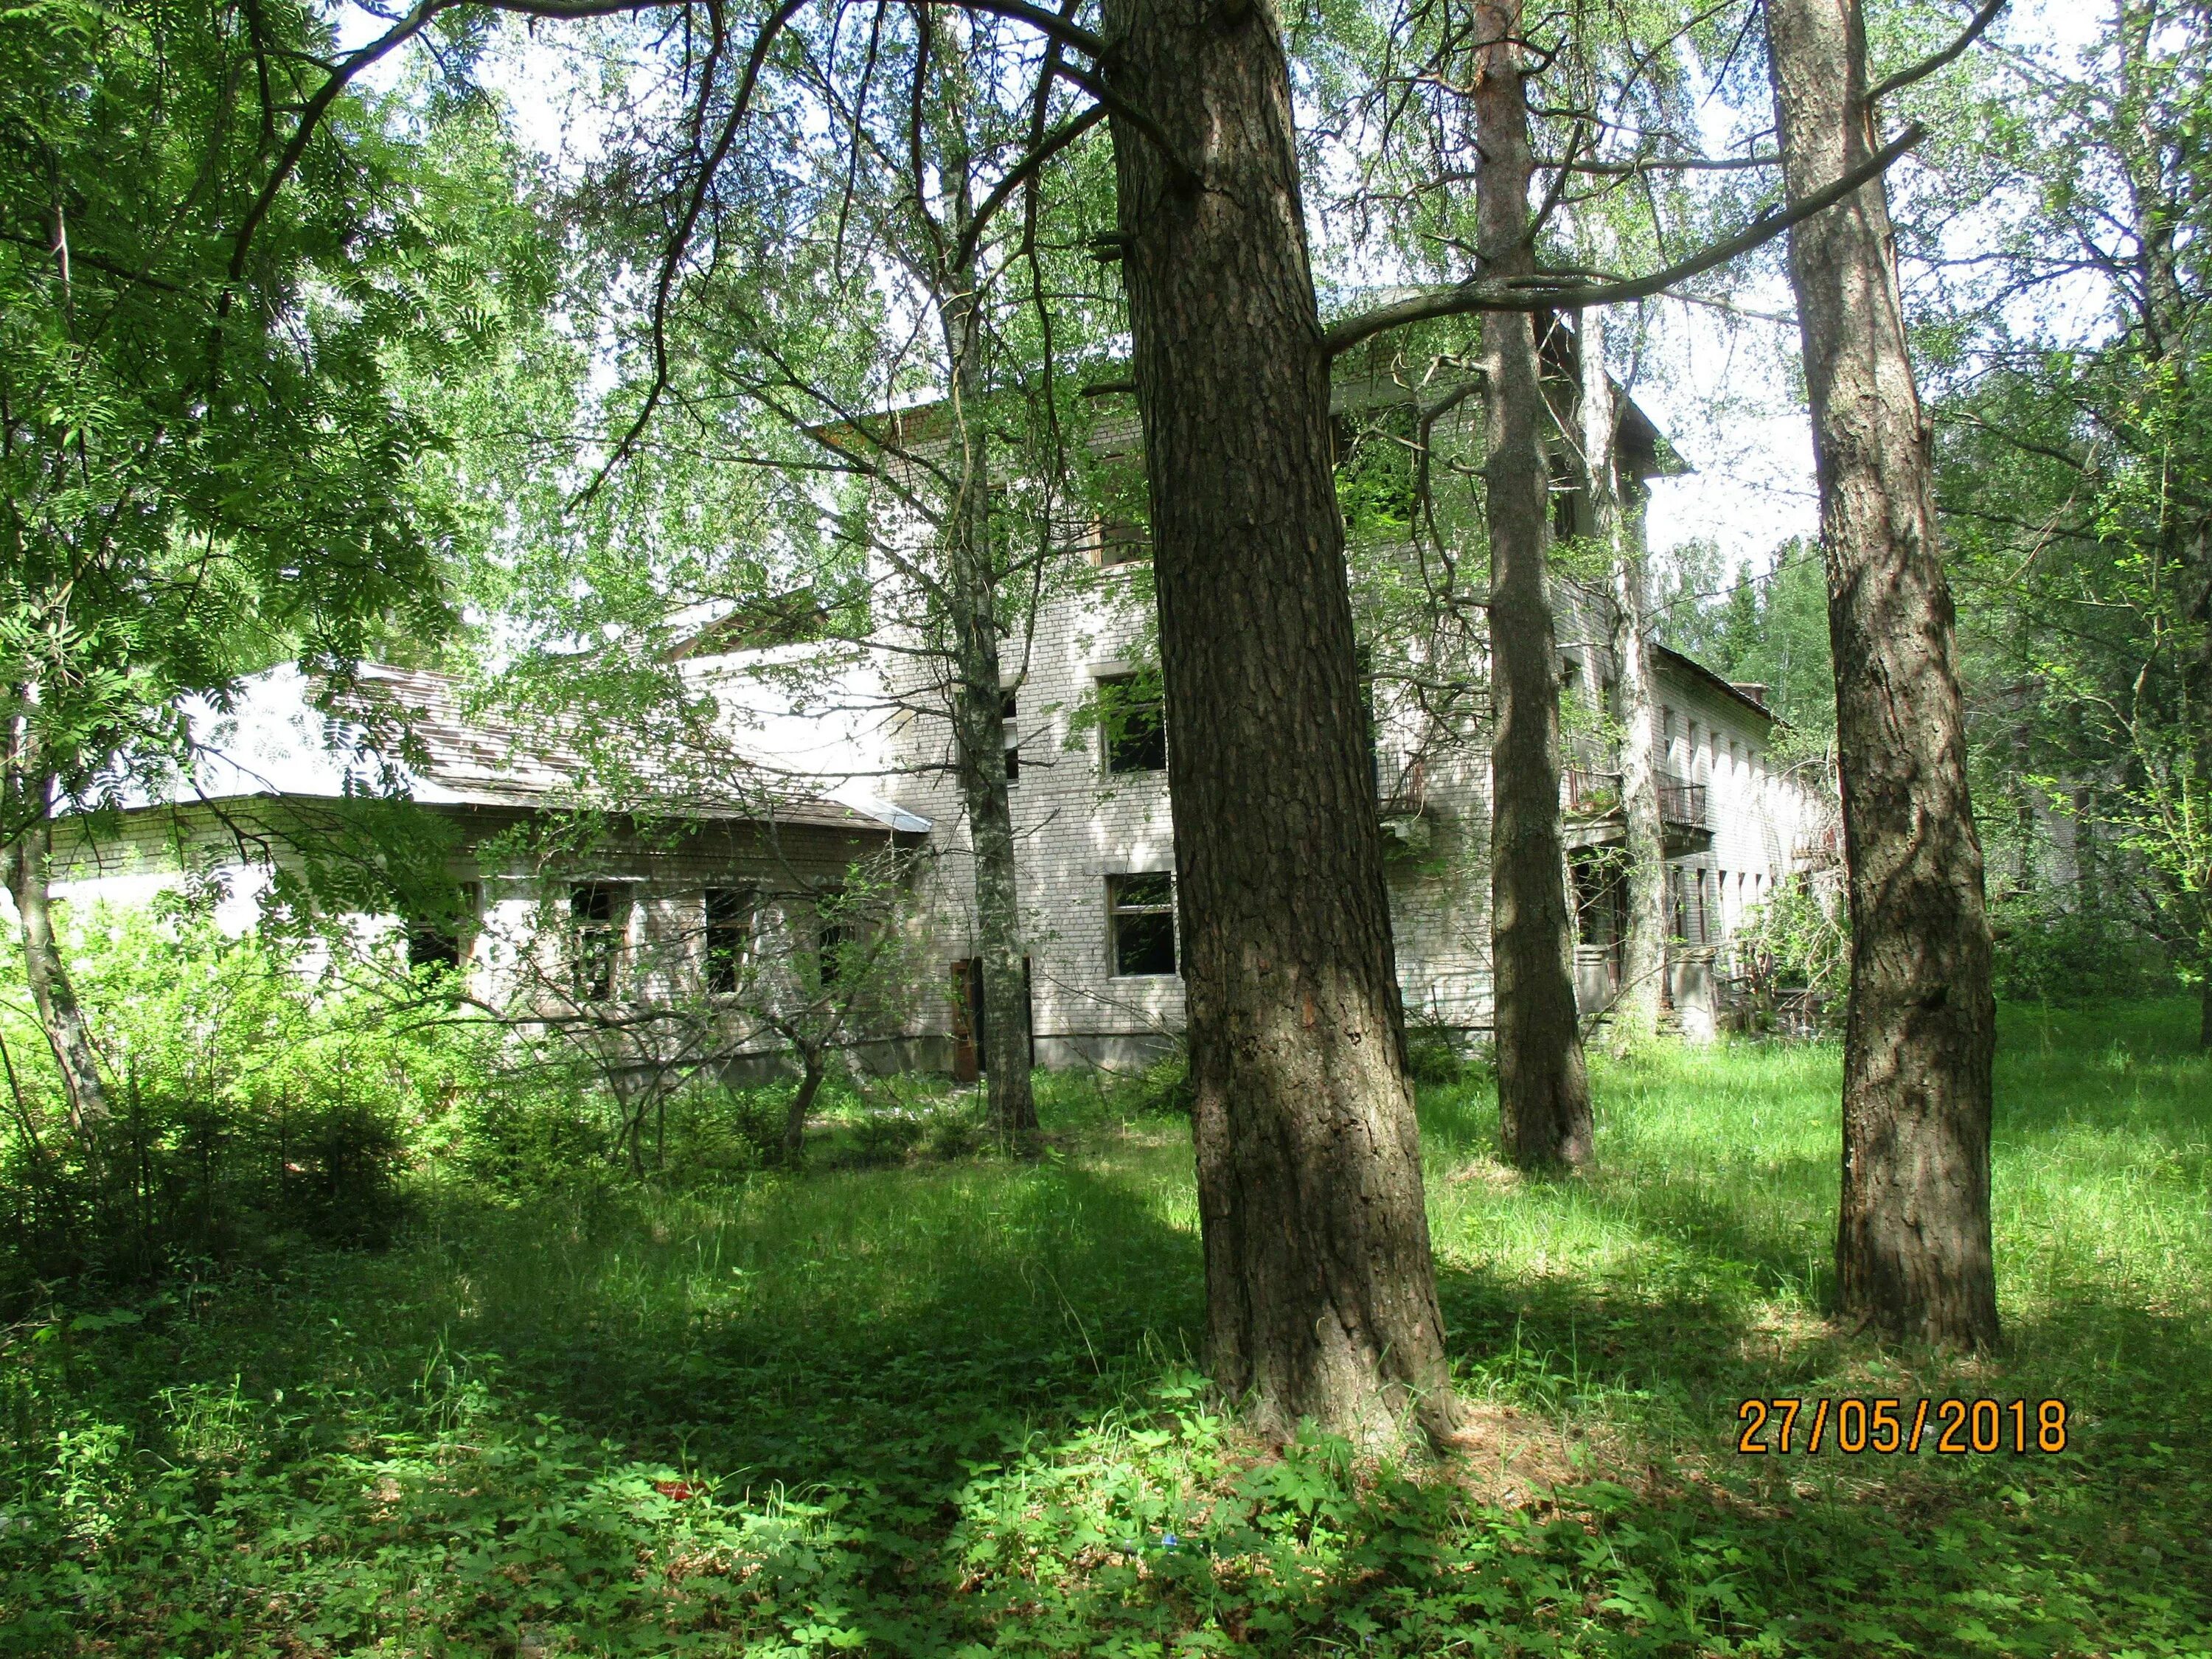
[1007, 714]
[1133, 721]
[729, 932]
[831, 944]
[441, 941]
[1141, 924]
[596, 912]
[833, 938]
[1122, 541]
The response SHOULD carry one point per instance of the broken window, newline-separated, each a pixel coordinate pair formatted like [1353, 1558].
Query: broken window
[729, 930]
[441, 939]
[597, 913]
[1140, 924]
[1124, 537]
[1132, 720]
[1122, 541]
[834, 936]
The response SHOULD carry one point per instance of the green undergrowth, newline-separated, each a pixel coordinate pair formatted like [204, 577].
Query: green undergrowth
[952, 1407]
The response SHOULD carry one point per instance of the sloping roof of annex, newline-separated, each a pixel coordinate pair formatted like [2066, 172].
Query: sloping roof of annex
[388, 729]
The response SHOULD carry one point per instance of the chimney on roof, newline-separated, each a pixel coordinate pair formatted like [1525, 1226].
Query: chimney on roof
[1755, 689]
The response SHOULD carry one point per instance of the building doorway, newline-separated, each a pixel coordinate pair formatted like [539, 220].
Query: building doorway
[968, 1022]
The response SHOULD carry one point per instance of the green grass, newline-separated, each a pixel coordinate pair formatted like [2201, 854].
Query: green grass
[952, 1408]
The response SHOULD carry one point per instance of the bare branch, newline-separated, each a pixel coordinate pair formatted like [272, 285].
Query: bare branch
[1061, 137]
[1546, 293]
[1928, 66]
[1144, 122]
[1661, 164]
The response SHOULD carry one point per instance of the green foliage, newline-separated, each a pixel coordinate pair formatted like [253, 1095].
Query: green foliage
[1800, 941]
[256, 1108]
[949, 1409]
[210, 457]
[1434, 1053]
[2047, 952]
[1769, 629]
[2071, 432]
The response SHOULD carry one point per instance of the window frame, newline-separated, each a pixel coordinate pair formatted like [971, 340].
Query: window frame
[1119, 907]
[725, 941]
[1110, 531]
[588, 933]
[1107, 716]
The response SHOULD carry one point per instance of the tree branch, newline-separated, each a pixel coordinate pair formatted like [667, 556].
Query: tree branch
[1928, 66]
[1546, 293]
[679, 243]
[1660, 164]
[1117, 104]
[311, 117]
[1062, 136]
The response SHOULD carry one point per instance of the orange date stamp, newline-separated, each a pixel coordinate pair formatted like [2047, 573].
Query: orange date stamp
[1853, 1426]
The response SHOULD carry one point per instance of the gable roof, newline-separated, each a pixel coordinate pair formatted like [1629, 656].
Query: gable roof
[412, 731]
[1705, 676]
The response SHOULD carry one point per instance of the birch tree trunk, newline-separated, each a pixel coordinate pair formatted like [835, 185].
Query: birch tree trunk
[978, 706]
[52, 993]
[1321, 1292]
[1543, 1089]
[1644, 944]
[1913, 1242]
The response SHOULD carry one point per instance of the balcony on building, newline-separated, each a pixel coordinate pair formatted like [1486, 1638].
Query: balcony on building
[1596, 816]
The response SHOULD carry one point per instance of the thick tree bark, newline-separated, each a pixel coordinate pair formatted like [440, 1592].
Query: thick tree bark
[1912, 1243]
[1644, 945]
[978, 707]
[1543, 1089]
[1321, 1292]
[52, 993]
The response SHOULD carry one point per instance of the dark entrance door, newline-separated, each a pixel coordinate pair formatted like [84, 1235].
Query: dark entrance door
[967, 1023]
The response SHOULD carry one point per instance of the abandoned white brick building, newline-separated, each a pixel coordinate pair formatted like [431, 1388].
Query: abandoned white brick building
[863, 761]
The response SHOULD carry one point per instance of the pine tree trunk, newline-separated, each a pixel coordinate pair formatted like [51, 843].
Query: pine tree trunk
[1912, 1244]
[1644, 945]
[1543, 1090]
[52, 993]
[978, 717]
[1321, 1292]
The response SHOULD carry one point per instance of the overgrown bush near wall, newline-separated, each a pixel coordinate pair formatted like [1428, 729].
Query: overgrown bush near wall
[260, 1099]
[530, 1130]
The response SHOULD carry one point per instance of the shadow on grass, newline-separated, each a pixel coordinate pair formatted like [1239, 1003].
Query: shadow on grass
[908, 1410]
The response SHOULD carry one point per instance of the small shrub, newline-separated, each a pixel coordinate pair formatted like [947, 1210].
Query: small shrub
[2046, 954]
[886, 1137]
[1433, 1054]
[1165, 1088]
[953, 1132]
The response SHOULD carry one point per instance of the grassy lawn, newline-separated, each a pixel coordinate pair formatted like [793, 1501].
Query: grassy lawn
[953, 1407]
